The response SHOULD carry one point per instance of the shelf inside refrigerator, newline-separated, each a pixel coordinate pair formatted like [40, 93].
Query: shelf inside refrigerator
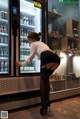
[25, 37]
[23, 57]
[3, 45]
[3, 20]
[26, 26]
[26, 71]
[3, 58]
[4, 72]
[3, 34]
[25, 47]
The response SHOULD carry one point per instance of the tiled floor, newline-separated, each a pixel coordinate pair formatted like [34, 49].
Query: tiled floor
[65, 109]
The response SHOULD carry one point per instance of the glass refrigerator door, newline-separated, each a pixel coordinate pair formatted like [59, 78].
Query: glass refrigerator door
[30, 21]
[4, 37]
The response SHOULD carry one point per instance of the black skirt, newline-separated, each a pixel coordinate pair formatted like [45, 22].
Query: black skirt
[49, 57]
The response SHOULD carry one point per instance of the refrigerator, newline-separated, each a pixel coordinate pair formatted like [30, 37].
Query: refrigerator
[5, 57]
[30, 20]
[17, 19]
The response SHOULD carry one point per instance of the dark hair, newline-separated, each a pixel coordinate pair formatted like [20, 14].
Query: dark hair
[34, 35]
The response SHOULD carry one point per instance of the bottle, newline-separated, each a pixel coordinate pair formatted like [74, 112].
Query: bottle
[24, 32]
[2, 52]
[20, 68]
[21, 31]
[32, 65]
[21, 41]
[5, 40]
[2, 14]
[5, 15]
[24, 20]
[21, 19]
[27, 32]
[5, 66]
[5, 29]
[2, 66]
[27, 20]
[30, 22]
[25, 68]
[2, 39]
[1, 28]
[22, 54]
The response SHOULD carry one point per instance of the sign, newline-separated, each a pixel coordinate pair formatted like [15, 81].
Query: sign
[69, 1]
[37, 4]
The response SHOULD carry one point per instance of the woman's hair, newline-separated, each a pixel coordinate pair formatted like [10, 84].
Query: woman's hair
[34, 35]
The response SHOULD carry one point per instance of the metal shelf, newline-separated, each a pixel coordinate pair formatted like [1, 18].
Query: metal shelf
[53, 15]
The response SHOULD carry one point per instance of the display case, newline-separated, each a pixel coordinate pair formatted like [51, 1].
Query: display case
[29, 20]
[64, 82]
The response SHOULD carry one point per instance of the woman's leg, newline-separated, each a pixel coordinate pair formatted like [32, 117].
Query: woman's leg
[51, 66]
[45, 87]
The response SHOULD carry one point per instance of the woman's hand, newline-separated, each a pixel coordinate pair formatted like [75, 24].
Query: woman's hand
[18, 63]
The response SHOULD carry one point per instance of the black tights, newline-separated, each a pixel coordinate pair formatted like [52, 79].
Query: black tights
[45, 85]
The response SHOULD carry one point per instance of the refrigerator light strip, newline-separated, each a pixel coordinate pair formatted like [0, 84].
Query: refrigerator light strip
[3, 58]
[3, 44]
[31, 26]
[25, 47]
[25, 37]
[3, 20]
[4, 34]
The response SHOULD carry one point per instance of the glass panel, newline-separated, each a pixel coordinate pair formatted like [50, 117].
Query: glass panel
[4, 37]
[30, 21]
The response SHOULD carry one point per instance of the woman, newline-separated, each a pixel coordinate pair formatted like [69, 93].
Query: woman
[49, 62]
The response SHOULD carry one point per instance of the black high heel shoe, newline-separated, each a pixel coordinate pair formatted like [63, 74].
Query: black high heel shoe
[43, 110]
[48, 106]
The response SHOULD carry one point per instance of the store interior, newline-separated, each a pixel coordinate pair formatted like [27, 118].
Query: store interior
[60, 21]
